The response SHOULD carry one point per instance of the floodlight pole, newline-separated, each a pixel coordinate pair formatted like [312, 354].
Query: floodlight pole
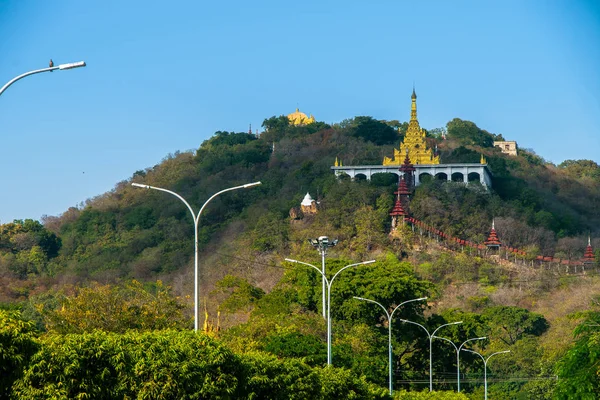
[321, 244]
[37, 71]
[196, 219]
[389, 319]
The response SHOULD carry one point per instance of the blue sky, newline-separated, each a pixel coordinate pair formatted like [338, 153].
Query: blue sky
[164, 76]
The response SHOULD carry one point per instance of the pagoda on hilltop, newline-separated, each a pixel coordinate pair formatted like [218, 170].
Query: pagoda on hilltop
[298, 118]
[492, 242]
[588, 256]
[414, 144]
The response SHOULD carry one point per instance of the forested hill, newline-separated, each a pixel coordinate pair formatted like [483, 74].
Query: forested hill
[99, 267]
[131, 232]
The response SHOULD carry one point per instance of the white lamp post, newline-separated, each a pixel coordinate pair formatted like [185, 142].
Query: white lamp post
[430, 347]
[389, 319]
[37, 71]
[196, 219]
[458, 349]
[329, 283]
[485, 361]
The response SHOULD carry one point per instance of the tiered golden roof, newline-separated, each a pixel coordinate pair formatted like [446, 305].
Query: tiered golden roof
[414, 143]
[298, 118]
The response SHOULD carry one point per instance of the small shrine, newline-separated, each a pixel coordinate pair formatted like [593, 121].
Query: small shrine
[298, 118]
[588, 256]
[414, 144]
[493, 242]
[308, 205]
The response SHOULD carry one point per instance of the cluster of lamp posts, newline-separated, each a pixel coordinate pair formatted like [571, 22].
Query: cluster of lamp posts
[322, 243]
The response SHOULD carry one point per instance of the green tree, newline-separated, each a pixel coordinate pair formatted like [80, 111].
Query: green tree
[17, 344]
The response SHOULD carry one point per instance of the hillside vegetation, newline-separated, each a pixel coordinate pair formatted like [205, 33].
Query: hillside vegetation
[73, 273]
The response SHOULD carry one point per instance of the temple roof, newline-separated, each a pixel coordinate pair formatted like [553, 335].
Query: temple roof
[493, 240]
[398, 210]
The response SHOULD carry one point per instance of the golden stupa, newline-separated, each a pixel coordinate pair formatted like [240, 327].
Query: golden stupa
[298, 118]
[414, 143]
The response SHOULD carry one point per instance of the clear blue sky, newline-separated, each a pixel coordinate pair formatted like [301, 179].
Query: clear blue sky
[164, 76]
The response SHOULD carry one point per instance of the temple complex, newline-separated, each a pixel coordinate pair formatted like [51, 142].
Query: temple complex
[298, 118]
[414, 145]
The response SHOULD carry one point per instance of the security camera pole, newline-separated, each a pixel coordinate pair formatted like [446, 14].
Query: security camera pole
[321, 244]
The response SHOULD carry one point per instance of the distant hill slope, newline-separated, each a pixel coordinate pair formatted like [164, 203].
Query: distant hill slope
[131, 232]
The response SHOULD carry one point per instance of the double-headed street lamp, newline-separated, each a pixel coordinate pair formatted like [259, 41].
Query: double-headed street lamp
[329, 283]
[458, 349]
[431, 336]
[389, 319]
[485, 361]
[196, 219]
[322, 244]
[37, 71]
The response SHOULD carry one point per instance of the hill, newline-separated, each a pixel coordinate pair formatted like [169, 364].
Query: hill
[271, 306]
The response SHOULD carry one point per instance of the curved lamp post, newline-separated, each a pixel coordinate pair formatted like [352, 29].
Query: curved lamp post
[458, 349]
[37, 71]
[389, 319]
[329, 283]
[430, 349]
[485, 361]
[196, 219]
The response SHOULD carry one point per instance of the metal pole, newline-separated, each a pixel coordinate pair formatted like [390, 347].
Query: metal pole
[323, 280]
[328, 323]
[37, 71]
[390, 353]
[458, 358]
[196, 219]
[485, 361]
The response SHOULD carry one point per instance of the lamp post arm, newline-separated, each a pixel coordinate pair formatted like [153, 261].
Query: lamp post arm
[223, 191]
[447, 340]
[37, 71]
[379, 304]
[474, 352]
[348, 266]
[403, 303]
[441, 326]
[493, 354]
[307, 264]
[170, 192]
[469, 340]
[414, 323]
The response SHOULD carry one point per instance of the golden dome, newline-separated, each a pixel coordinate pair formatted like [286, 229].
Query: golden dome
[299, 118]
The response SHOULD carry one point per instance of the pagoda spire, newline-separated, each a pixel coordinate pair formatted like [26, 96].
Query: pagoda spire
[588, 256]
[413, 107]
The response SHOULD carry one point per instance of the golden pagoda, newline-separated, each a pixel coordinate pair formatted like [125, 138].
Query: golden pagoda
[414, 144]
[298, 118]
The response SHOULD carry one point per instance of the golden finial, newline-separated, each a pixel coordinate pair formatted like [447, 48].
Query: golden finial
[483, 160]
[336, 164]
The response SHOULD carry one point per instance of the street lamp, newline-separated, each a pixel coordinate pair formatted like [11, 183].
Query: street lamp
[458, 349]
[485, 361]
[196, 219]
[37, 71]
[430, 348]
[329, 283]
[389, 319]
[322, 244]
